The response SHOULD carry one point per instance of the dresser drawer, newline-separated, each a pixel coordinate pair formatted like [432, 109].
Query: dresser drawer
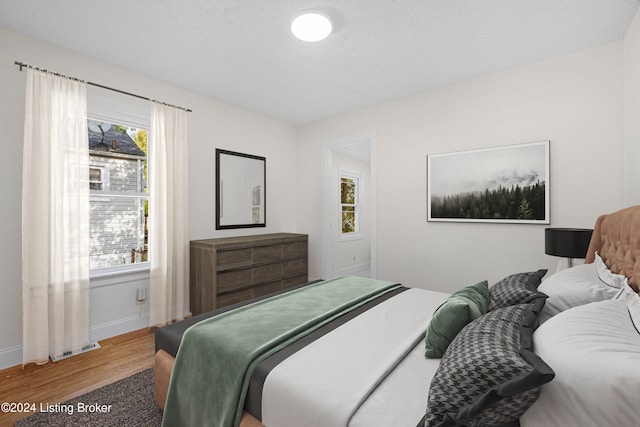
[233, 280]
[295, 280]
[267, 273]
[294, 250]
[234, 258]
[294, 267]
[267, 254]
[233, 297]
[267, 288]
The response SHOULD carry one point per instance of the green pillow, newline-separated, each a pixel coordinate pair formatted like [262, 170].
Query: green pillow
[455, 313]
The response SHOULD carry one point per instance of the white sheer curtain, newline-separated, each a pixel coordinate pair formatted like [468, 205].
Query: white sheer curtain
[55, 218]
[168, 215]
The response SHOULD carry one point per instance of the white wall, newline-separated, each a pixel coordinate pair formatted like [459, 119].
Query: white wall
[632, 113]
[212, 124]
[575, 101]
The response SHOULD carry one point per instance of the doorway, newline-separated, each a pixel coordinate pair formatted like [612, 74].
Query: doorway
[349, 253]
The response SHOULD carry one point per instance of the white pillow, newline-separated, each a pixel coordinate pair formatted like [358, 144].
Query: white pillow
[594, 351]
[607, 277]
[633, 304]
[573, 287]
[628, 295]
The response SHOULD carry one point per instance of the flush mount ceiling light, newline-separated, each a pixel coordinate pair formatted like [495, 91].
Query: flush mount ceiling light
[311, 26]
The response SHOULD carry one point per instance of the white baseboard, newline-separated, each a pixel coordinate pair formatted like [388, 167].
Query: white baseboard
[12, 356]
[118, 327]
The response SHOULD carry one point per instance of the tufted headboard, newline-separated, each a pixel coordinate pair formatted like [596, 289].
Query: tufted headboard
[616, 238]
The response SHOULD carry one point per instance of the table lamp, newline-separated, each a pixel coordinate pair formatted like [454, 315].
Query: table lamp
[567, 242]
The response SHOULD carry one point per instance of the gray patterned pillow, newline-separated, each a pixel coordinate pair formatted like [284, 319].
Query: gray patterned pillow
[489, 375]
[518, 288]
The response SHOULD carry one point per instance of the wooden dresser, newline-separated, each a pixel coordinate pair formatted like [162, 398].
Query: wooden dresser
[233, 269]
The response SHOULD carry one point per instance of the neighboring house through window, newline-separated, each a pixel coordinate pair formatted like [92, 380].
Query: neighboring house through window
[119, 194]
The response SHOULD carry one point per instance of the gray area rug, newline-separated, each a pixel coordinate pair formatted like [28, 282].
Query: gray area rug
[131, 403]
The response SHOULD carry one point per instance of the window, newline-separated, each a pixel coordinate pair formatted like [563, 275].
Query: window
[98, 175]
[350, 203]
[119, 194]
[95, 178]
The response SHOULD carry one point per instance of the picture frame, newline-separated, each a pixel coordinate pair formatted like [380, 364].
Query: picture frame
[505, 184]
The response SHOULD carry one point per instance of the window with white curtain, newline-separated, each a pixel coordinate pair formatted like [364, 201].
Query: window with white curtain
[119, 194]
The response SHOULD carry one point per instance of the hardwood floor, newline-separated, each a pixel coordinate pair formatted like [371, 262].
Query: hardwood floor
[118, 357]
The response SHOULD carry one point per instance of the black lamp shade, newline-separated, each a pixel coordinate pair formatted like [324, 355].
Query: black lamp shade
[567, 242]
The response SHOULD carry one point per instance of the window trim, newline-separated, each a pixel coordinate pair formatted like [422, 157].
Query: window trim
[115, 108]
[120, 270]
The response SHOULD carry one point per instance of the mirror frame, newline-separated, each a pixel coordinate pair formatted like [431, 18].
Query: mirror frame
[220, 153]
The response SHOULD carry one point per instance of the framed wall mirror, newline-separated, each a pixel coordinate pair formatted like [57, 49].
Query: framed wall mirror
[240, 190]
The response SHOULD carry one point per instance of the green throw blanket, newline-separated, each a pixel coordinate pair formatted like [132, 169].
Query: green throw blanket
[209, 381]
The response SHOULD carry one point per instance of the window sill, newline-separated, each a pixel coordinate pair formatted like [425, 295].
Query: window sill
[351, 237]
[119, 274]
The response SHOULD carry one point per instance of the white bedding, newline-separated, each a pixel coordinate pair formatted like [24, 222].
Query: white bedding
[358, 356]
[372, 371]
[594, 350]
[412, 377]
[573, 287]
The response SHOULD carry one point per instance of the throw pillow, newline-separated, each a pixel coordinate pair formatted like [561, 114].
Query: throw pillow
[489, 375]
[517, 288]
[455, 313]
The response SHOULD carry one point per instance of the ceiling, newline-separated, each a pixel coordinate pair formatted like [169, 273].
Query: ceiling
[242, 52]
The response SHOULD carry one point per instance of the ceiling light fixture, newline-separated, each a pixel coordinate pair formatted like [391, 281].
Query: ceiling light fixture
[311, 26]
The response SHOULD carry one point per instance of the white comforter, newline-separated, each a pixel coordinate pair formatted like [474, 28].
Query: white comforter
[342, 379]
[594, 350]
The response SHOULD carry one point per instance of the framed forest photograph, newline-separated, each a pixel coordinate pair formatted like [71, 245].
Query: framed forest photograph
[508, 184]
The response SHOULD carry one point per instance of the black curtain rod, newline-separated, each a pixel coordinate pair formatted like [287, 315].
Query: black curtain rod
[23, 65]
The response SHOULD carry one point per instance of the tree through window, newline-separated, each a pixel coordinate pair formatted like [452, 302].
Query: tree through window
[350, 203]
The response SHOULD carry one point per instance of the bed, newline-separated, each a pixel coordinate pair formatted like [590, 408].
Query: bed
[481, 367]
